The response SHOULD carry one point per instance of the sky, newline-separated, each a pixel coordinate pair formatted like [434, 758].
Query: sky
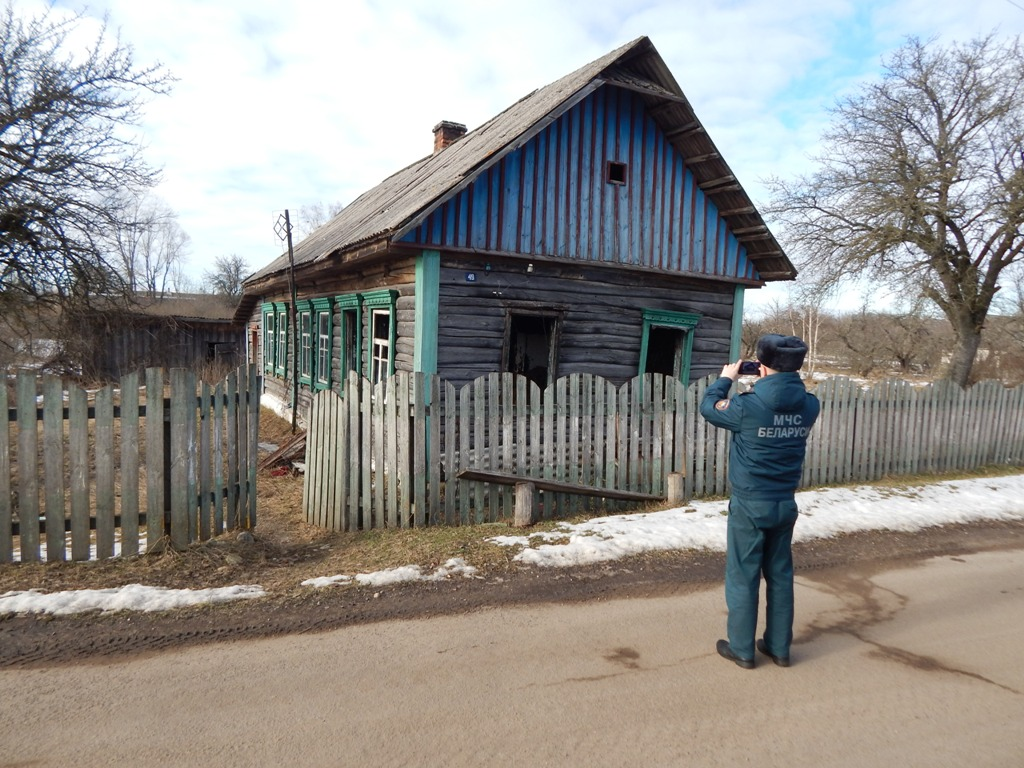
[824, 513]
[283, 105]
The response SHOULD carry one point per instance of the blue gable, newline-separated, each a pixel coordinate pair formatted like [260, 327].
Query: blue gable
[553, 197]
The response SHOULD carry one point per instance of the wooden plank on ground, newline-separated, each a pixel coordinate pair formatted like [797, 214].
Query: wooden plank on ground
[557, 486]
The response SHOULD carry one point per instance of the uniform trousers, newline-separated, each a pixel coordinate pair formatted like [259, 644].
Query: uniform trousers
[759, 542]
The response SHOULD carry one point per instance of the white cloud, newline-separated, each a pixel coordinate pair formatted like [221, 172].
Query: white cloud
[280, 106]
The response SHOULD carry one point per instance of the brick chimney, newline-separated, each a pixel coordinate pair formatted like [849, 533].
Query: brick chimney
[447, 133]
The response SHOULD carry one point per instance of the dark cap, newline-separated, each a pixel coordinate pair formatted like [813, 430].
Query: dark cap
[781, 353]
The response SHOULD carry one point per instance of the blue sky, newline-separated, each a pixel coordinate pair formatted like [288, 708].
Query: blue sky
[281, 105]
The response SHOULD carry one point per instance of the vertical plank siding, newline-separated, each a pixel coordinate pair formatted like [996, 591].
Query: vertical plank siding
[125, 461]
[388, 455]
[552, 197]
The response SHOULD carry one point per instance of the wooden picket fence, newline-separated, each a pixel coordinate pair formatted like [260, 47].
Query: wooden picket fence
[160, 458]
[390, 455]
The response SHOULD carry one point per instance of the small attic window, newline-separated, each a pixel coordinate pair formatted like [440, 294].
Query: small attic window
[615, 173]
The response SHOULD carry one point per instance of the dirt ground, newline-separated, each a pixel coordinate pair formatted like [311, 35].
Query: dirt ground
[285, 551]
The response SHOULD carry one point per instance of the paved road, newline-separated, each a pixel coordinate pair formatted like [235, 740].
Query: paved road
[914, 667]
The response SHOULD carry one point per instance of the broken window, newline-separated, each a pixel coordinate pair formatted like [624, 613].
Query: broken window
[531, 345]
[666, 343]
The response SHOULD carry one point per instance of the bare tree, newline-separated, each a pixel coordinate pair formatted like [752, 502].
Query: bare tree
[148, 245]
[315, 215]
[921, 184]
[227, 276]
[64, 153]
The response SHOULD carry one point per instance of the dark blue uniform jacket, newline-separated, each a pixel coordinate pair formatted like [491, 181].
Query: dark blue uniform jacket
[770, 424]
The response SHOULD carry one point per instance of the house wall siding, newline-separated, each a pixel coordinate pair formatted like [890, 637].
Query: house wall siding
[396, 274]
[602, 322]
[551, 197]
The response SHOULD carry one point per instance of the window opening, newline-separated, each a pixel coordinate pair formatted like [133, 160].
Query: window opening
[664, 350]
[532, 351]
[281, 355]
[380, 356]
[616, 172]
[349, 344]
[667, 343]
[305, 346]
[269, 340]
[323, 347]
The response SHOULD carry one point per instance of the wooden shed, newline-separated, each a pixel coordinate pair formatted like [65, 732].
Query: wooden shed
[174, 330]
[591, 227]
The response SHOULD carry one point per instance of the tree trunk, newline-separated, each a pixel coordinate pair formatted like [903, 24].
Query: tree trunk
[968, 339]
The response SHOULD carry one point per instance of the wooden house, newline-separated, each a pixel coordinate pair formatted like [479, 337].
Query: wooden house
[591, 227]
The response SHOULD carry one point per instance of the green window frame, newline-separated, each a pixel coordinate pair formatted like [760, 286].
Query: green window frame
[269, 345]
[281, 348]
[380, 351]
[681, 321]
[305, 343]
[350, 317]
[323, 332]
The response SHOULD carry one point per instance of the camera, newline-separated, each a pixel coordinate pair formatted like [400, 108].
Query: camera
[750, 368]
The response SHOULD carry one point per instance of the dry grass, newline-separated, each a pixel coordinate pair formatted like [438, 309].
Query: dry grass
[287, 550]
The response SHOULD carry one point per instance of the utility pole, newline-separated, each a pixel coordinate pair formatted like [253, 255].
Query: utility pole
[283, 228]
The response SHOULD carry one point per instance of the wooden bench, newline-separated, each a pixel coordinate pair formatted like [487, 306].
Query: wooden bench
[526, 491]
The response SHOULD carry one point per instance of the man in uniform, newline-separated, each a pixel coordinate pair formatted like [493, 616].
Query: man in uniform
[770, 424]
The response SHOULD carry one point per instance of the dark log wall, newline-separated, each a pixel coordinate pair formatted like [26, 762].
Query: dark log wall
[602, 321]
[395, 274]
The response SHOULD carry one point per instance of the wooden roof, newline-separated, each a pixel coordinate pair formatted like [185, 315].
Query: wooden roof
[402, 201]
[190, 307]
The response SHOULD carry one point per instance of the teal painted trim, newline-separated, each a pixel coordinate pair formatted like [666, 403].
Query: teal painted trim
[685, 321]
[323, 307]
[353, 301]
[304, 312]
[385, 297]
[736, 347]
[269, 338]
[428, 290]
[282, 326]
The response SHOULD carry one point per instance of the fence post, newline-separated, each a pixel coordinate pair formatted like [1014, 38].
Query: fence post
[676, 488]
[524, 504]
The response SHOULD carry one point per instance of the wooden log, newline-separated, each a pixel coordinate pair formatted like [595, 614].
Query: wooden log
[557, 486]
[525, 504]
[676, 488]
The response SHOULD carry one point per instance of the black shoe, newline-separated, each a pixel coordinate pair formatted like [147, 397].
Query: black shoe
[781, 661]
[725, 651]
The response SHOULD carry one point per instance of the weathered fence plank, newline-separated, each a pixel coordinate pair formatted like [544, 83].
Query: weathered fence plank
[130, 464]
[155, 457]
[28, 474]
[105, 512]
[53, 466]
[90, 460]
[6, 513]
[581, 431]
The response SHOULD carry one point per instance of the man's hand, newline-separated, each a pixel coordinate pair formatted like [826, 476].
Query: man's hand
[731, 370]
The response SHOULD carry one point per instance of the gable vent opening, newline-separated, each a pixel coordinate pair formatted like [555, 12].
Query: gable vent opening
[615, 173]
